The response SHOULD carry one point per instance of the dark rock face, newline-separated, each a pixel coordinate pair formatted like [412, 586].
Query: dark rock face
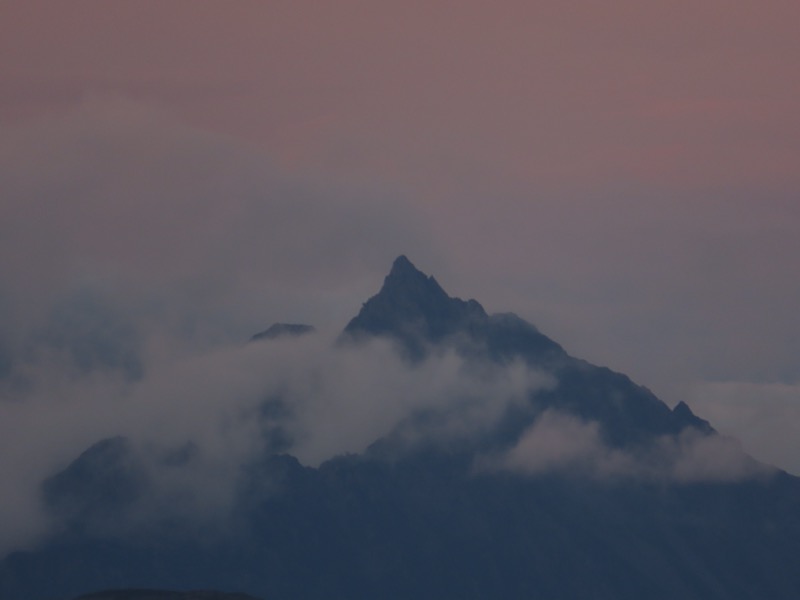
[426, 528]
[98, 486]
[684, 417]
[279, 330]
[414, 310]
[426, 523]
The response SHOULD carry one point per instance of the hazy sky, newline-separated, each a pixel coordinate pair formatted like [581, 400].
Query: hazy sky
[625, 175]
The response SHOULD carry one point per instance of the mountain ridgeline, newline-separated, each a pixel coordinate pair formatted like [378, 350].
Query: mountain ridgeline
[412, 309]
[588, 487]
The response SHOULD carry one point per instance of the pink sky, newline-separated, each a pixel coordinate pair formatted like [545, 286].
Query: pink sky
[692, 91]
[625, 174]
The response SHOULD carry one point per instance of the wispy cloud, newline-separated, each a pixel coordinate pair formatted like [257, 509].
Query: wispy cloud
[558, 442]
[762, 415]
[331, 399]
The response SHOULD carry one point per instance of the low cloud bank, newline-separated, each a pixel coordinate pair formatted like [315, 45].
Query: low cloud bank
[559, 442]
[307, 396]
[762, 415]
[197, 415]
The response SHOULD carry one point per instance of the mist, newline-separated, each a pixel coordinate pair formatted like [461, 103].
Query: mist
[562, 443]
[141, 253]
[180, 228]
[231, 404]
[139, 256]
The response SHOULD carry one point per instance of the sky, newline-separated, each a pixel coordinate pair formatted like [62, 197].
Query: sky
[624, 175]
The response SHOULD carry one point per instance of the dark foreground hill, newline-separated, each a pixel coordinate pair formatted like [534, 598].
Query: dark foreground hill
[590, 487]
[162, 595]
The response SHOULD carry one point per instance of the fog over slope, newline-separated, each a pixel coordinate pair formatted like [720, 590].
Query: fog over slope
[217, 408]
[622, 176]
[129, 288]
[424, 428]
[121, 220]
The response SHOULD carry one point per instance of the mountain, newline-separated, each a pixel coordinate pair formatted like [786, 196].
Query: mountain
[587, 486]
[414, 310]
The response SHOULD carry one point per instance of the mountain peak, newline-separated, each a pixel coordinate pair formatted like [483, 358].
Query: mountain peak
[403, 271]
[409, 285]
[684, 417]
[413, 308]
[402, 264]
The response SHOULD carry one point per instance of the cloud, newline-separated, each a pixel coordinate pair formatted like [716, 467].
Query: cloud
[139, 253]
[562, 443]
[357, 394]
[228, 405]
[641, 168]
[762, 415]
[136, 249]
[693, 457]
[558, 441]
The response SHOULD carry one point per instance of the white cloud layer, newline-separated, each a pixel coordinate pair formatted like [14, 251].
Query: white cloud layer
[763, 416]
[559, 442]
[336, 399]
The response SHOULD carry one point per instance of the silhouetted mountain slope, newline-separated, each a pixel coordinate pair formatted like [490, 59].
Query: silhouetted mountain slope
[628, 413]
[163, 595]
[644, 507]
[413, 309]
[101, 484]
[427, 528]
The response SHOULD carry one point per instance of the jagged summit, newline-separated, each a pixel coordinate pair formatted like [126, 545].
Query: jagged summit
[685, 417]
[404, 278]
[411, 291]
[413, 308]
[402, 266]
